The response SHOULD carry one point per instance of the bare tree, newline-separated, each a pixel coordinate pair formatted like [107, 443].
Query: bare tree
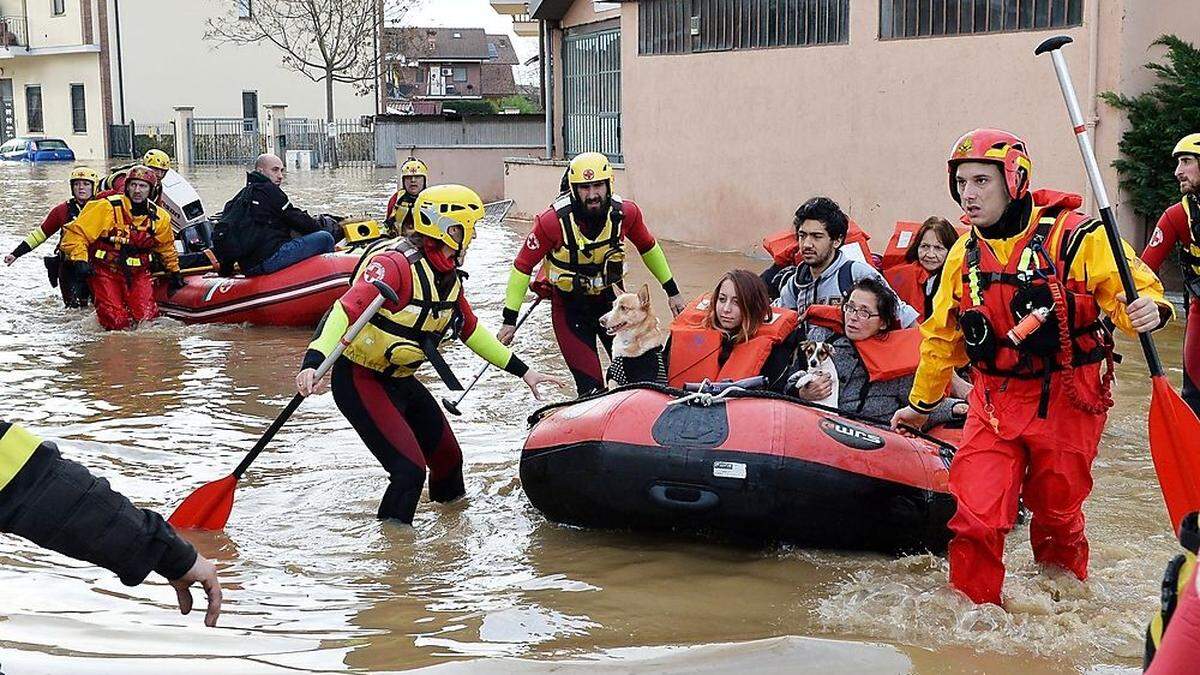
[324, 40]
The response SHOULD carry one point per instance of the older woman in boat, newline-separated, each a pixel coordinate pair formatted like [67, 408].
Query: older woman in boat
[875, 360]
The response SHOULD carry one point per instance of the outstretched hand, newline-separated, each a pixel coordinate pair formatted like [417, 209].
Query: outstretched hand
[534, 379]
[676, 303]
[203, 572]
[10, 259]
[505, 334]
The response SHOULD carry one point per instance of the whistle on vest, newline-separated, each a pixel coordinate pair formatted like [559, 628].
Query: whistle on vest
[1027, 326]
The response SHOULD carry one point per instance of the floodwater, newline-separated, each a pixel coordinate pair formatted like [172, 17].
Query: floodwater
[314, 583]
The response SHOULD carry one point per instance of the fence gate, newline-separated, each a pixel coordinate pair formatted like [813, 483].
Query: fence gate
[352, 142]
[120, 140]
[225, 140]
[592, 93]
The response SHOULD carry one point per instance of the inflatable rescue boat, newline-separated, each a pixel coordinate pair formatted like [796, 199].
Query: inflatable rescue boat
[298, 295]
[745, 465]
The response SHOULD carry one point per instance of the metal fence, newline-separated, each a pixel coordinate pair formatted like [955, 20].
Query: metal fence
[224, 140]
[592, 93]
[13, 32]
[413, 131]
[135, 138]
[352, 142]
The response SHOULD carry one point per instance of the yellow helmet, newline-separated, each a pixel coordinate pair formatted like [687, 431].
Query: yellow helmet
[414, 167]
[156, 159]
[1188, 145]
[589, 167]
[85, 173]
[441, 207]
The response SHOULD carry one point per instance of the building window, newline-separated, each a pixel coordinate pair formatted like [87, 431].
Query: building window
[923, 18]
[460, 73]
[690, 26]
[33, 108]
[58, 7]
[242, 9]
[250, 110]
[592, 93]
[78, 110]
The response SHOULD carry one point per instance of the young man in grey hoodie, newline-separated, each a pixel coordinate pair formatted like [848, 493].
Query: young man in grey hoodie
[827, 274]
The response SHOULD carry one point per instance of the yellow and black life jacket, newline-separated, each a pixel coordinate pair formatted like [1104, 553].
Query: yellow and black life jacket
[16, 447]
[1177, 576]
[401, 215]
[396, 343]
[582, 265]
[1189, 255]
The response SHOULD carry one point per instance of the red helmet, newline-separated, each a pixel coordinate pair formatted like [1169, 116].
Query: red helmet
[144, 174]
[996, 147]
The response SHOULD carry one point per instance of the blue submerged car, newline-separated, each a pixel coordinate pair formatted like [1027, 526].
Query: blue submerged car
[31, 149]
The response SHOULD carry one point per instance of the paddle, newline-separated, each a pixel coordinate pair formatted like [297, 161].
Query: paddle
[1174, 429]
[208, 508]
[452, 406]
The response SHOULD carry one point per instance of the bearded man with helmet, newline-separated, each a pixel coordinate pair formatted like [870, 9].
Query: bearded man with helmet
[1180, 225]
[115, 242]
[83, 182]
[373, 381]
[581, 239]
[1022, 301]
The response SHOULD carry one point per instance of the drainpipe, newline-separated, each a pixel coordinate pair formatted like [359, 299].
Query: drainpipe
[1093, 113]
[548, 85]
[120, 68]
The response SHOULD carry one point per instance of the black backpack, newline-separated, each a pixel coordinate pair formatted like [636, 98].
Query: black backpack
[228, 246]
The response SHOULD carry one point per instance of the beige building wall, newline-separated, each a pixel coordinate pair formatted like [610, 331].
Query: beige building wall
[720, 148]
[166, 62]
[49, 30]
[55, 74]
[533, 185]
[479, 168]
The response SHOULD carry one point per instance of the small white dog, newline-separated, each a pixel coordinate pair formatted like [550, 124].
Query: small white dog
[818, 358]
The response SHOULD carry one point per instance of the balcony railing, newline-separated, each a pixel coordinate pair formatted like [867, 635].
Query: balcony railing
[13, 32]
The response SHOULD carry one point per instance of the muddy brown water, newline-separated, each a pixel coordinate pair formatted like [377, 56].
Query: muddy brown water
[315, 583]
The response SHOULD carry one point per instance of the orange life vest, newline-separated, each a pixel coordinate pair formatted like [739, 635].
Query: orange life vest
[902, 238]
[784, 248]
[895, 353]
[908, 281]
[696, 349]
[1042, 258]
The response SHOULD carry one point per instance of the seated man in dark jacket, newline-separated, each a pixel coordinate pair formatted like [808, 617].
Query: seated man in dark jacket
[256, 226]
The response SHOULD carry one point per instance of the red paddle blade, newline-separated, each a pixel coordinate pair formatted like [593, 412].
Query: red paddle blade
[1175, 447]
[207, 508]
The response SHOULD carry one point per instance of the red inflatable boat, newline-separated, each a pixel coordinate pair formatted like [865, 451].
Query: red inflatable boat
[298, 295]
[752, 465]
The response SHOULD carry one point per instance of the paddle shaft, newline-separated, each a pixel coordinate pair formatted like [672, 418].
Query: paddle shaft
[344, 342]
[1108, 218]
[483, 370]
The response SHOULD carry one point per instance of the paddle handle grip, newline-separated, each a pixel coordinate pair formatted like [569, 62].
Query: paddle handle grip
[1112, 231]
[385, 294]
[520, 320]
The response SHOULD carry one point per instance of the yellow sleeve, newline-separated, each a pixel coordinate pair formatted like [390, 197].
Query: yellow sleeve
[81, 232]
[164, 234]
[1094, 264]
[942, 347]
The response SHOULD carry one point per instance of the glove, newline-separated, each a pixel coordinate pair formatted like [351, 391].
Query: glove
[174, 283]
[331, 224]
[81, 268]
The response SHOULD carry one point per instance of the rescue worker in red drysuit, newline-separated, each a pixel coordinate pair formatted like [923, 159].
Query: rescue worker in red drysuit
[114, 242]
[75, 292]
[1180, 225]
[374, 383]
[1039, 403]
[581, 238]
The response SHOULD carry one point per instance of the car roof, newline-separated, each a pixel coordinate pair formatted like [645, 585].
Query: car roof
[34, 138]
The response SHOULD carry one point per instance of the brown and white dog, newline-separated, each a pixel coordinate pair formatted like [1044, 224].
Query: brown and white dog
[637, 341]
[817, 358]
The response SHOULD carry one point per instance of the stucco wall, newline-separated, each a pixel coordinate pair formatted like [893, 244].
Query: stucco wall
[479, 168]
[721, 147]
[47, 30]
[170, 63]
[56, 74]
[533, 185]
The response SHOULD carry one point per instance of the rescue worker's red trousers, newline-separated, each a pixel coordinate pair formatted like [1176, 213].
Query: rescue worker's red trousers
[1047, 461]
[122, 300]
